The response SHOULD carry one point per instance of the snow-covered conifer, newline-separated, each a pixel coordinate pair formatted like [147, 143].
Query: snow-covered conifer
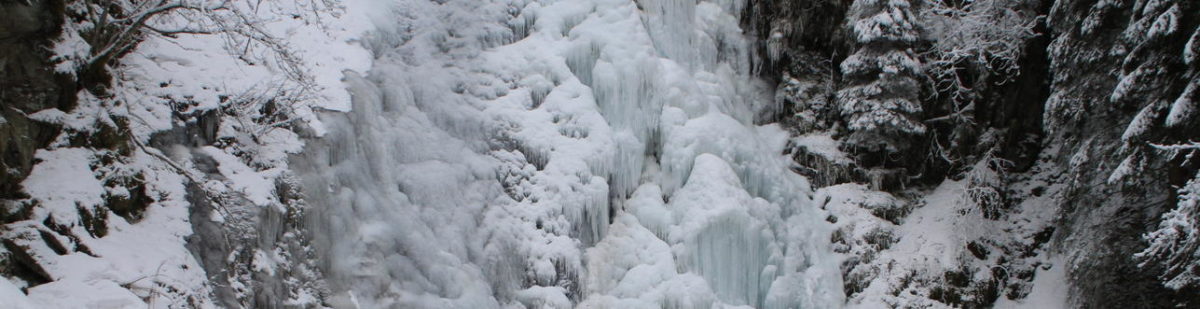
[880, 104]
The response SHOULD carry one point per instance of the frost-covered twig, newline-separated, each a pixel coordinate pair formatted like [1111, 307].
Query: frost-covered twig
[985, 36]
[1188, 146]
[983, 184]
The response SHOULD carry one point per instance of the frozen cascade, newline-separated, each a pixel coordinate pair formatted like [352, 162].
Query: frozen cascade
[584, 153]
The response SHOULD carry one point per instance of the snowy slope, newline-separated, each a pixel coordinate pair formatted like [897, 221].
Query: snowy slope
[121, 258]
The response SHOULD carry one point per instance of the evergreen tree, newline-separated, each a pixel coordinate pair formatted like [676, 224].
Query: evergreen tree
[880, 103]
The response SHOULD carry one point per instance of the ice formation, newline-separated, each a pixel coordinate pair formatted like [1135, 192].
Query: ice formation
[592, 154]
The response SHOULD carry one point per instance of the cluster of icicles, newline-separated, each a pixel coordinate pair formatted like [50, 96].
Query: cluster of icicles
[590, 154]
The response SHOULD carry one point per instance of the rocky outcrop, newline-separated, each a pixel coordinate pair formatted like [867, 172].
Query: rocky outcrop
[28, 84]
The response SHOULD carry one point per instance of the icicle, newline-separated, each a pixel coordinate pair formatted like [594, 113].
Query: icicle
[522, 25]
[732, 256]
[670, 25]
[581, 59]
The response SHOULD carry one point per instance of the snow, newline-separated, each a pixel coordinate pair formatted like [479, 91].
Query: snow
[892, 22]
[929, 242]
[255, 186]
[198, 68]
[891, 61]
[931, 232]
[1184, 108]
[938, 248]
[1191, 50]
[49, 115]
[13, 296]
[136, 264]
[822, 144]
[1130, 166]
[1050, 288]
[102, 294]
[1166, 23]
[1142, 122]
[65, 183]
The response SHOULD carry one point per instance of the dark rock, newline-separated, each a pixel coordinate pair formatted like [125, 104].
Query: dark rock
[28, 84]
[23, 265]
[132, 205]
[977, 250]
[53, 242]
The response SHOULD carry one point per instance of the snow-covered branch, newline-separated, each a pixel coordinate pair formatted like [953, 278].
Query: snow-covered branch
[1188, 146]
[986, 37]
[100, 32]
[984, 184]
[1175, 245]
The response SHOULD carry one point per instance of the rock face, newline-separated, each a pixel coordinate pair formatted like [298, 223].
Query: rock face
[1083, 100]
[28, 85]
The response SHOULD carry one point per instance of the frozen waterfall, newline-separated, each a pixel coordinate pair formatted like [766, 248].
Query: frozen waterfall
[558, 154]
